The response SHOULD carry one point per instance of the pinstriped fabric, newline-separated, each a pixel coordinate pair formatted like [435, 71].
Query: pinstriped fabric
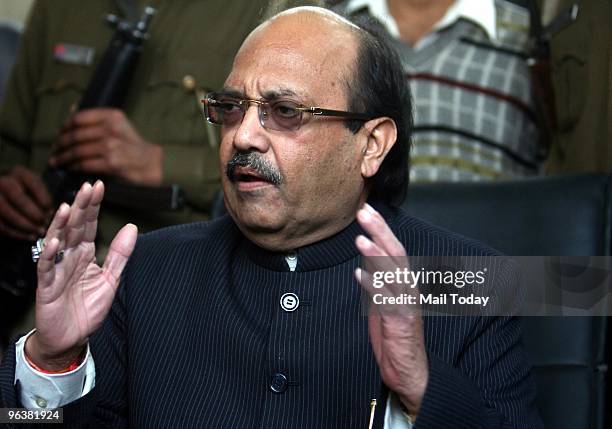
[197, 332]
[494, 363]
[8, 393]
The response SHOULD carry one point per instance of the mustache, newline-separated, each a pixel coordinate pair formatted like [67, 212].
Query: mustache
[255, 161]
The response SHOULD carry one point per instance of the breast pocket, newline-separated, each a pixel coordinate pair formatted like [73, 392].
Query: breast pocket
[169, 108]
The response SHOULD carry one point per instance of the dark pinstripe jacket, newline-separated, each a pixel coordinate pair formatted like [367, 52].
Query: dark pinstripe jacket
[196, 336]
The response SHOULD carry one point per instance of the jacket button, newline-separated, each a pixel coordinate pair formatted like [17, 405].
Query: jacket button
[278, 383]
[289, 302]
[189, 82]
[42, 403]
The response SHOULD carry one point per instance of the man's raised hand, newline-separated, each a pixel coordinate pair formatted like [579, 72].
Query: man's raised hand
[397, 339]
[75, 295]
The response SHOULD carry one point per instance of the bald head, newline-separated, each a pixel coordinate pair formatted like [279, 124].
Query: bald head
[310, 15]
[327, 38]
[313, 13]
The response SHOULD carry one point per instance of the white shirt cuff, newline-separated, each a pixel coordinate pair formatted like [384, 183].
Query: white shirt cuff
[40, 390]
[395, 418]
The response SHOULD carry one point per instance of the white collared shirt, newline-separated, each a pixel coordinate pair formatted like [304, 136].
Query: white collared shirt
[481, 12]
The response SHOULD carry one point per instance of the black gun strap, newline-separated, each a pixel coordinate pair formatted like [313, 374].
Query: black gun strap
[129, 9]
[535, 20]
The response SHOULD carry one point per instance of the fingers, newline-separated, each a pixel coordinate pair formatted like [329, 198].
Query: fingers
[79, 151]
[75, 228]
[24, 203]
[57, 227]
[375, 259]
[53, 244]
[71, 226]
[366, 281]
[17, 234]
[93, 166]
[382, 253]
[90, 117]
[368, 248]
[92, 211]
[35, 187]
[384, 265]
[104, 141]
[14, 222]
[86, 127]
[374, 224]
[364, 278]
[81, 135]
[45, 266]
[120, 250]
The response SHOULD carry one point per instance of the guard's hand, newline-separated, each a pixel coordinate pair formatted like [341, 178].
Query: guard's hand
[25, 204]
[397, 339]
[75, 295]
[104, 142]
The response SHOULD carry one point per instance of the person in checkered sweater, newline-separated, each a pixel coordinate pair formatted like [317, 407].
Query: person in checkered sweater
[467, 64]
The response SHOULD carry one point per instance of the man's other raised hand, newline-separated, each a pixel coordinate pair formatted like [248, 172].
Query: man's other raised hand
[75, 295]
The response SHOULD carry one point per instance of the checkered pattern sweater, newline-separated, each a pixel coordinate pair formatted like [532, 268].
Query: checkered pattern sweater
[474, 111]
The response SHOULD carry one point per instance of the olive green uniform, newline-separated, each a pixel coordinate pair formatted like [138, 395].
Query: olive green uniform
[190, 51]
[582, 78]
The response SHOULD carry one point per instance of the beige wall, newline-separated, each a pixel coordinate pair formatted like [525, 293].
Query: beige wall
[15, 10]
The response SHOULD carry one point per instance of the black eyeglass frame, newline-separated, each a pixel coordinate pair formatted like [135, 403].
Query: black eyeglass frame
[245, 103]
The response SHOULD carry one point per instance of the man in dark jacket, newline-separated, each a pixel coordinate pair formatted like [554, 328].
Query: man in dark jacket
[254, 320]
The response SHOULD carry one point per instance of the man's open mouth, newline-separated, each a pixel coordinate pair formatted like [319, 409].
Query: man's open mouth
[244, 174]
[252, 170]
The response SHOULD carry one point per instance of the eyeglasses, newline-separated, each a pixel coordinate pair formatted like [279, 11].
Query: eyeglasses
[279, 115]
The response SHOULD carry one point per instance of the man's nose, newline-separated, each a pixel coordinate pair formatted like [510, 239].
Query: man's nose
[250, 134]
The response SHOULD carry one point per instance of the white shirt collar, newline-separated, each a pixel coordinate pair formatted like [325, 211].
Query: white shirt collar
[481, 12]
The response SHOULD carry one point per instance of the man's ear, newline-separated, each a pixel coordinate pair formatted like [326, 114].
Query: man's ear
[381, 134]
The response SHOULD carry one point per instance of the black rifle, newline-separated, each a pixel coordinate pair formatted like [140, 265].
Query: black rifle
[540, 66]
[107, 88]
